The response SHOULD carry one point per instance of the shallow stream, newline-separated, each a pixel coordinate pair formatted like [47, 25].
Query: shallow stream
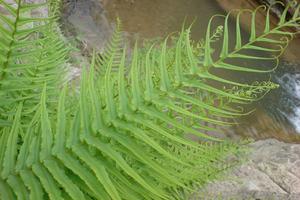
[277, 116]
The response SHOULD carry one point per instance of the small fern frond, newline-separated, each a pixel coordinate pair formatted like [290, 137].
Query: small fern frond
[263, 48]
[112, 51]
[54, 8]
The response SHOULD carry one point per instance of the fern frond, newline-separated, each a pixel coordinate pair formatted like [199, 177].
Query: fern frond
[54, 7]
[125, 135]
[271, 44]
[112, 51]
[91, 159]
[32, 54]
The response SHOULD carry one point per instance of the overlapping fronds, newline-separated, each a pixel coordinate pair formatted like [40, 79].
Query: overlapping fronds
[125, 135]
[86, 156]
[32, 54]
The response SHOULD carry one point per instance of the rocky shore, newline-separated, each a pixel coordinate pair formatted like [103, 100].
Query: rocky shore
[271, 172]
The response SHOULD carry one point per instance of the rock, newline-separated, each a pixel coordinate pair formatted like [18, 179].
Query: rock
[271, 172]
[40, 12]
[85, 20]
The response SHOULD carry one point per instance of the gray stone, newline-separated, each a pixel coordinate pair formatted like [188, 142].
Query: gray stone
[271, 172]
[86, 20]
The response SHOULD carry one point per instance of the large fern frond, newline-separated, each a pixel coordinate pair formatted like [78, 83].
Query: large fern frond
[83, 156]
[125, 135]
[32, 54]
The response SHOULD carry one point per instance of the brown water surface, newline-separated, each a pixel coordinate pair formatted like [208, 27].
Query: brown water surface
[157, 18]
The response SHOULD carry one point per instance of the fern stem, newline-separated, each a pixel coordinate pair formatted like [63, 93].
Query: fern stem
[8, 54]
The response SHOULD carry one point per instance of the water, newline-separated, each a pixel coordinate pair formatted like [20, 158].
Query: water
[295, 119]
[157, 18]
[277, 116]
[290, 87]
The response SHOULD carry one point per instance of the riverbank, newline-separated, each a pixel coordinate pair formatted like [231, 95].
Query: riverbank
[271, 171]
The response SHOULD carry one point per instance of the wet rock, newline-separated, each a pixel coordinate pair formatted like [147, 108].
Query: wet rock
[271, 172]
[85, 20]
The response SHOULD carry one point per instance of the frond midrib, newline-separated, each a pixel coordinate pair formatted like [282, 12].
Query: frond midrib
[15, 25]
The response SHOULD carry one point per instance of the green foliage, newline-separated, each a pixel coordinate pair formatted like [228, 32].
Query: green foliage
[31, 55]
[124, 136]
[113, 49]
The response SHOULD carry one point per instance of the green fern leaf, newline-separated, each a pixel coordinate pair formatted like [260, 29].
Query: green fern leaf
[32, 54]
[124, 136]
